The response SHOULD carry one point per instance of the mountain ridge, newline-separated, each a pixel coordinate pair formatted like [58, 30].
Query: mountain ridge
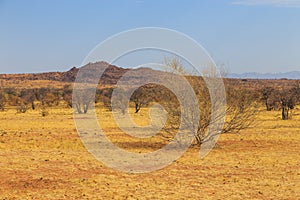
[113, 73]
[294, 75]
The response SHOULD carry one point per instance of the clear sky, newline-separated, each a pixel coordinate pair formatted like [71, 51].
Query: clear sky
[244, 35]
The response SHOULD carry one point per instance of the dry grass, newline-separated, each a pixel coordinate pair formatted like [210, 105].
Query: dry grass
[29, 84]
[43, 158]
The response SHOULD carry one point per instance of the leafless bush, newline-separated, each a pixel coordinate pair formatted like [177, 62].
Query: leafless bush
[22, 108]
[44, 111]
[240, 111]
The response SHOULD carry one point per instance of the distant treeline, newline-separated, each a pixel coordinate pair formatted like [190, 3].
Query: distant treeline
[273, 98]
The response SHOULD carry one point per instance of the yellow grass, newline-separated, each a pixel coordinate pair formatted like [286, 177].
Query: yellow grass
[43, 158]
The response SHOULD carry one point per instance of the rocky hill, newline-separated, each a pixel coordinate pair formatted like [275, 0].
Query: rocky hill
[110, 75]
[113, 73]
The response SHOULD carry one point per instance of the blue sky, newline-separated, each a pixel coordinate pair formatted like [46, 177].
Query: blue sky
[244, 35]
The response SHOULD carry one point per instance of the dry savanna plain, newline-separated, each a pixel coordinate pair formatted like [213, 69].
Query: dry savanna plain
[44, 158]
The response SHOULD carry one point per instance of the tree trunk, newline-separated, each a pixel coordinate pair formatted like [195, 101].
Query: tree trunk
[85, 108]
[285, 113]
[33, 106]
[269, 108]
[78, 108]
[137, 107]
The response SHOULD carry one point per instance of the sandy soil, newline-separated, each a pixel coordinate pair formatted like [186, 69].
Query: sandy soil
[43, 158]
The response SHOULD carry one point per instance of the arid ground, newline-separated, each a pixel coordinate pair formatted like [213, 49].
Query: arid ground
[43, 158]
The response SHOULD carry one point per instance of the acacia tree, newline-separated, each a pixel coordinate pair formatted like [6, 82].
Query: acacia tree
[240, 111]
[119, 100]
[140, 97]
[67, 95]
[288, 100]
[104, 95]
[82, 99]
[268, 97]
[11, 94]
[22, 101]
[50, 99]
[27, 97]
[2, 101]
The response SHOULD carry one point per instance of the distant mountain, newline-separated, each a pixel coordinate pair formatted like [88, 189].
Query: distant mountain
[253, 75]
[113, 73]
[89, 72]
[110, 75]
